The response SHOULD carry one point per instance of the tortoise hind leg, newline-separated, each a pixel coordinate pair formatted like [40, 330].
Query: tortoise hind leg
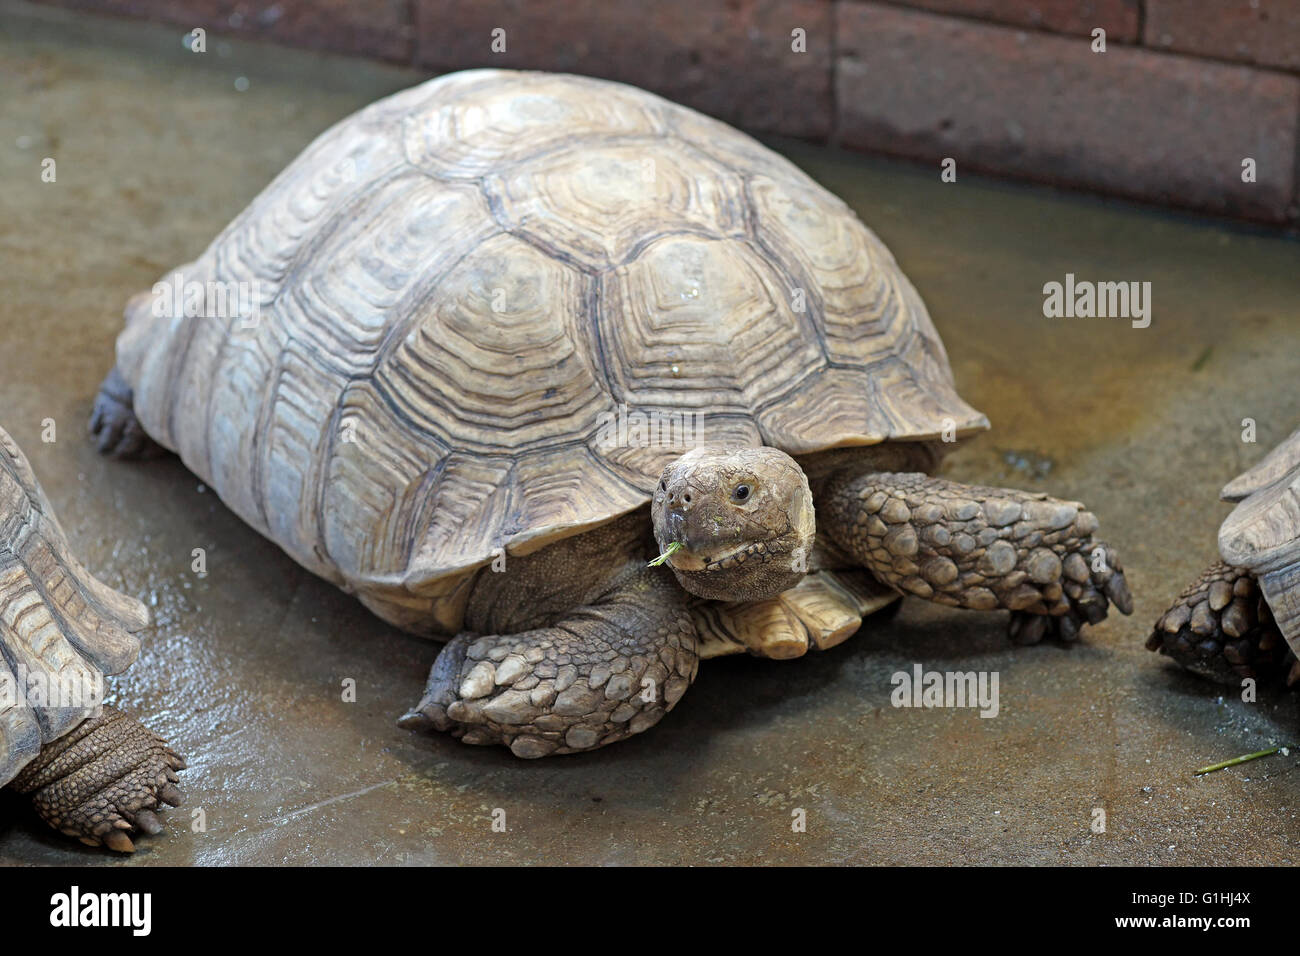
[979, 548]
[113, 425]
[1221, 628]
[103, 780]
[602, 672]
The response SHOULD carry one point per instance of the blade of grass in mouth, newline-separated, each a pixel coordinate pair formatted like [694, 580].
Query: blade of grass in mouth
[669, 551]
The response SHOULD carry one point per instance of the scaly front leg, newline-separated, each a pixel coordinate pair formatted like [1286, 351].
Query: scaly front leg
[602, 672]
[980, 548]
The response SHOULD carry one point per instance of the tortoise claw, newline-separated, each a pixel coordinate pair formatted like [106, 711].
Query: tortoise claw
[147, 822]
[1027, 628]
[118, 840]
[414, 720]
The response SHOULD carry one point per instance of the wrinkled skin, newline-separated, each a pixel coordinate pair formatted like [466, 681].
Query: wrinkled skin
[743, 520]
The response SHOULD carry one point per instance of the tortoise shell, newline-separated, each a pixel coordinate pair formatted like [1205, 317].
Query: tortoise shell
[61, 630]
[458, 290]
[1263, 532]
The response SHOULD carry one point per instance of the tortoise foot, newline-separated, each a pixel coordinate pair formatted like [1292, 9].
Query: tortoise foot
[1090, 581]
[113, 425]
[1221, 628]
[604, 672]
[103, 781]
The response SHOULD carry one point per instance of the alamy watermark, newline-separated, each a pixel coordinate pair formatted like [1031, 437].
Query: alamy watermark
[922, 688]
[73, 909]
[42, 690]
[1100, 300]
[655, 429]
[177, 297]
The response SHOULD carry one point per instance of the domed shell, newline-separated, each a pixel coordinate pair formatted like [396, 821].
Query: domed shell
[474, 308]
[1263, 531]
[61, 630]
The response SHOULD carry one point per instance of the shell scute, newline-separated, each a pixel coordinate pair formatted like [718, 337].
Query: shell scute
[496, 359]
[675, 319]
[598, 208]
[1263, 532]
[484, 120]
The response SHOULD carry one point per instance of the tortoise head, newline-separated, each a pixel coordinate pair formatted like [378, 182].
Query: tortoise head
[737, 524]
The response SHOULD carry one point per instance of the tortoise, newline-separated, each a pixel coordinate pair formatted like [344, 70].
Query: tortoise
[1241, 618]
[511, 335]
[91, 771]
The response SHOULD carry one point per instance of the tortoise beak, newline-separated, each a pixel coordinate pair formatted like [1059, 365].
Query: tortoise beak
[686, 558]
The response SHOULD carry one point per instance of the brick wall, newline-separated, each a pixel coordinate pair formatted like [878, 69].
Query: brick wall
[1186, 91]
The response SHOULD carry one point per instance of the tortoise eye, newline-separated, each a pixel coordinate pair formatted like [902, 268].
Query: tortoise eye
[740, 493]
[663, 486]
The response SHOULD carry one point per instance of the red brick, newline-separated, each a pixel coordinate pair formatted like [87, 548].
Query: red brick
[1266, 32]
[1130, 122]
[729, 58]
[1119, 18]
[376, 28]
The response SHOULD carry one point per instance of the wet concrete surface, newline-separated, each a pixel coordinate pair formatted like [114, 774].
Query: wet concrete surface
[157, 149]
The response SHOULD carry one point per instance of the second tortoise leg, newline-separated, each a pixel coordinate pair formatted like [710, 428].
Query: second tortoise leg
[113, 423]
[980, 548]
[1221, 628]
[103, 780]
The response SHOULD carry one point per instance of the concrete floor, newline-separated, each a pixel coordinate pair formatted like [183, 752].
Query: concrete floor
[157, 150]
